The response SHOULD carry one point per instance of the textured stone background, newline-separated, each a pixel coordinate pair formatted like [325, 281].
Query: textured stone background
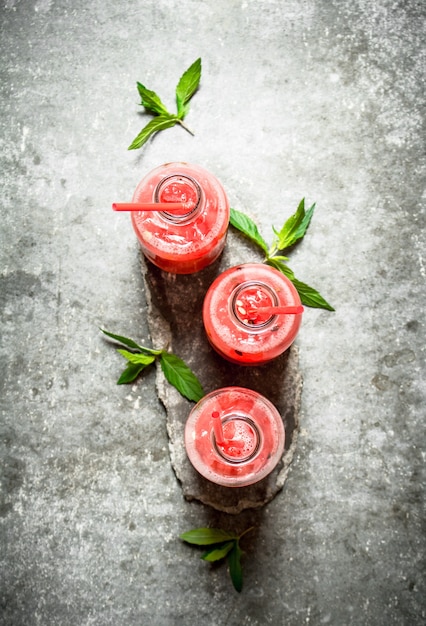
[322, 99]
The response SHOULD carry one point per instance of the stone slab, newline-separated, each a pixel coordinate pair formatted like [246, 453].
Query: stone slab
[174, 317]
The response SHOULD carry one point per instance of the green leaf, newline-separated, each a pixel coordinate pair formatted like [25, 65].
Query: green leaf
[186, 87]
[137, 359]
[151, 101]
[294, 228]
[245, 224]
[235, 569]
[303, 226]
[218, 553]
[131, 372]
[206, 536]
[158, 123]
[180, 376]
[130, 343]
[280, 266]
[310, 297]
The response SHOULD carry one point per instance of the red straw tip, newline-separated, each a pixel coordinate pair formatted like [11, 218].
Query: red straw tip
[215, 414]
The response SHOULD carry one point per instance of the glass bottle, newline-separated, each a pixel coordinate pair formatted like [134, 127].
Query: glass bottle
[182, 243]
[236, 314]
[243, 446]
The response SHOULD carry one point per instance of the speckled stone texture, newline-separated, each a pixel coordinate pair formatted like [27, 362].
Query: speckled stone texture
[322, 99]
[175, 320]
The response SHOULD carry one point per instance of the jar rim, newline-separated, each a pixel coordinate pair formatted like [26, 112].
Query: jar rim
[184, 218]
[235, 309]
[232, 459]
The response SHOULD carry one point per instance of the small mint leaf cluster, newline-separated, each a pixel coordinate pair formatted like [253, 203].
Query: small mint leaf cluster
[174, 368]
[185, 89]
[221, 545]
[291, 232]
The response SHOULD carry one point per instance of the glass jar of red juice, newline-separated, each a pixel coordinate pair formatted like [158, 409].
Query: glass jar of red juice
[186, 242]
[237, 315]
[234, 436]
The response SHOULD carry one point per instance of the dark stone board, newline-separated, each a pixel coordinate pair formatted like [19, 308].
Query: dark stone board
[175, 320]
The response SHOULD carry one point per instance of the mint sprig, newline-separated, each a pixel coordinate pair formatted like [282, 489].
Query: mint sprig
[221, 545]
[185, 89]
[174, 368]
[291, 232]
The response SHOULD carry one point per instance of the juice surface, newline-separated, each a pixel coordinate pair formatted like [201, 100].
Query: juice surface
[234, 318]
[240, 439]
[253, 431]
[177, 244]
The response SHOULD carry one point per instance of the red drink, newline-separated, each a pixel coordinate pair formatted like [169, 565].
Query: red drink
[236, 319]
[188, 242]
[252, 439]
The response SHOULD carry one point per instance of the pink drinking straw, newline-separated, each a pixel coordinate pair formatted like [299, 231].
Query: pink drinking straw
[278, 310]
[218, 433]
[217, 427]
[169, 207]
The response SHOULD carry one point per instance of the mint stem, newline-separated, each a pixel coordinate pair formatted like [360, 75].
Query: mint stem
[185, 127]
[245, 532]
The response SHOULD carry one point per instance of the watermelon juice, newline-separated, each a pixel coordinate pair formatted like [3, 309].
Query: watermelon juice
[186, 242]
[252, 440]
[236, 318]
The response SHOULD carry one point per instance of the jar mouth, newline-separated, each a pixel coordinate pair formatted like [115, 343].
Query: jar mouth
[242, 439]
[179, 188]
[247, 301]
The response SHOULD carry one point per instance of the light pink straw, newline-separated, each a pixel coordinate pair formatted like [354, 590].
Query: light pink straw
[169, 207]
[278, 310]
[217, 427]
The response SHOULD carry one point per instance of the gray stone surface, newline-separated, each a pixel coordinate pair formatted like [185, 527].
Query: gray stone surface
[174, 318]
[315, 98]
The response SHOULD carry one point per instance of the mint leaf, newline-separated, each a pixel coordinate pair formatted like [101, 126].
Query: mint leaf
[245, 224]
[294, 228]
[303, 226]
[158, 123]
[235, 569]
[130, 343]
[310, 296]
[206, 536]
[280, 266]
[137, 359]
[218, 553]
[125, 340]
[180, 376]
[131, 372]
[151, 101]
[186, 87]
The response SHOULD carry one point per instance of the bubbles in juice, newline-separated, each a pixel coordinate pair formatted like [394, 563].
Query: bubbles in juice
[241, 439]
